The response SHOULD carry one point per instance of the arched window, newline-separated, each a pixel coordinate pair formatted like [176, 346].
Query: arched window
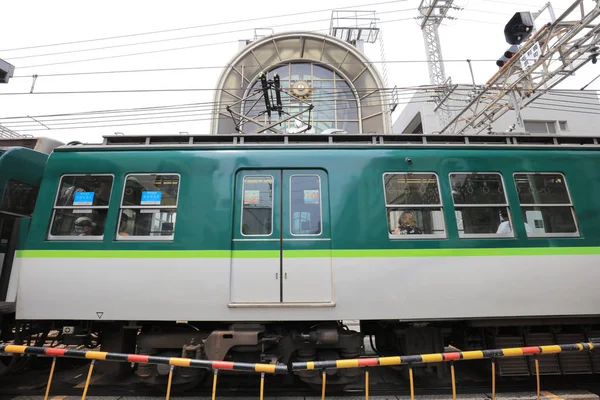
[335, 104]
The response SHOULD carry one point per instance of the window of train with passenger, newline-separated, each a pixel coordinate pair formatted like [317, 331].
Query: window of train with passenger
[257, 208]
[80, 207]
[546, 204]
[149, 207]
[414, 207]
[305, 205]
[480, 205]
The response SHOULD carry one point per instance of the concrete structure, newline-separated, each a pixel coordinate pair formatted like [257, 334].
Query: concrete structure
[553, 113]
[326, 84]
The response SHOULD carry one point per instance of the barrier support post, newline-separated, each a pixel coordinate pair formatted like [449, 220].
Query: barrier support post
[537, 376]
[493, 378]
[87, 381]
[412, 382]
[169, 382]
[50, 378]
[453, 380]
[214, 388]
[262, 385]
[366, 383]
[324, 375]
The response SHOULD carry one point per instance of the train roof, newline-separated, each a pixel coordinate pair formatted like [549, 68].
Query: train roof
[191, 142]
[41, 144]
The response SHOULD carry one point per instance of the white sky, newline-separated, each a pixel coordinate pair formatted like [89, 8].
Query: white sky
[477, 34]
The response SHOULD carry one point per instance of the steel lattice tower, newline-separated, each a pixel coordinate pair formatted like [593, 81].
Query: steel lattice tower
[433, 13]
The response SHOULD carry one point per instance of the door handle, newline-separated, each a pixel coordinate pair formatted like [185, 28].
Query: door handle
[285, 275]
[276, 275]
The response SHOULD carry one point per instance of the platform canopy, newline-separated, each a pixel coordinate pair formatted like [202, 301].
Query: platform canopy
[344, 88]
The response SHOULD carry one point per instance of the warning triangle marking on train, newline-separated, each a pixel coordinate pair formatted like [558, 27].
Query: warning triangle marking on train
[99, 314]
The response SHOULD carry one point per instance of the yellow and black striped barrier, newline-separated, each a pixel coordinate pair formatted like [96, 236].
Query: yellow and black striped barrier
[144, 359]
[441, 357]
[450, 357]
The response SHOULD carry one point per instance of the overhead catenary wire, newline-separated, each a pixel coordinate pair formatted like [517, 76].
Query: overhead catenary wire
[160, 114]
[168, 106]
[168, 90]
[144, 123]
[183, 38]
[174, 69]
[417, 88]
[202, 26]
[173, 49]
[125, 122]
[177, 108]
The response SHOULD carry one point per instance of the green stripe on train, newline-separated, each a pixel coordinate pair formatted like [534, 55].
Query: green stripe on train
[522, 251]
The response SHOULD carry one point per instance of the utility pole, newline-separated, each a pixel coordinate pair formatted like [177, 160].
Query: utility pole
[433, 12]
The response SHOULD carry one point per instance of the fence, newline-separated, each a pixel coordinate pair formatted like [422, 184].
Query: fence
[215, 366]
[450, 357]
[94, 356]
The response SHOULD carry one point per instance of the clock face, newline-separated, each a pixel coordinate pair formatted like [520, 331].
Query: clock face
[301, 89]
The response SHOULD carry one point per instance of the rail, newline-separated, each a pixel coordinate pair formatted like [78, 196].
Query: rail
[450, 357]
[173, 362]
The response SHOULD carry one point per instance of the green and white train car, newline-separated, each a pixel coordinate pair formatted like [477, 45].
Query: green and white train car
[256, 247]
[22, 162]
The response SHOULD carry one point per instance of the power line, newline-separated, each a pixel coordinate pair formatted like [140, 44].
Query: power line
[226, 66]
[589, 83]
[172, 106]
[318, 97]
[169, 49]
[184, 37]
[178, 90]
[160, 114]
[406, 88]
[201, 26]
[517, 4]
[148, 123]
[558, 109]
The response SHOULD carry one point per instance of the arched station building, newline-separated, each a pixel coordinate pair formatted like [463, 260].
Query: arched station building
[327, 85]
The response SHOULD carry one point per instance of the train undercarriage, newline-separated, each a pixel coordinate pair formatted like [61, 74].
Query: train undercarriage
[310, 341]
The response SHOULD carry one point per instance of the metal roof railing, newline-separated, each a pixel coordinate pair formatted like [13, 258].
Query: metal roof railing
[315, 140]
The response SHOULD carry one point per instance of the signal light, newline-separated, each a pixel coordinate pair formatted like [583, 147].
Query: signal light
[508, 54]
[6, 71]
[519, 28]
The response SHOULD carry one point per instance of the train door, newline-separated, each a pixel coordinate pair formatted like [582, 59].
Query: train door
[8, 240]
[281, 241]
[306, 241]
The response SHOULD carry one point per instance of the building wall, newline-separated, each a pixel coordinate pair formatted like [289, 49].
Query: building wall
[556, 113]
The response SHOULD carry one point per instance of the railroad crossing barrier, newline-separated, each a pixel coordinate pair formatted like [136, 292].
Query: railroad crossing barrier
[450, 357]
[215, 366]
[173, 362]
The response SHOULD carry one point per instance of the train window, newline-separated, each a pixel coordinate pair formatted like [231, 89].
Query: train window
[305, 205]
[546, 204]
[480, 204]
[80, 207]
[257, 206]
[149, 207]
[18, 198]
[414, 206]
